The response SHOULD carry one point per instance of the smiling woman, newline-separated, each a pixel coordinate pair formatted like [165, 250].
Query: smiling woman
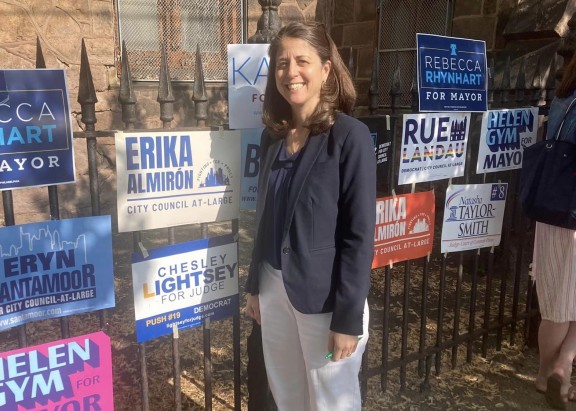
[310, 271]
[300, 75]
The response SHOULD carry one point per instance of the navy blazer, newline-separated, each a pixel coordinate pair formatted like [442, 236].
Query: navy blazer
[328, 238]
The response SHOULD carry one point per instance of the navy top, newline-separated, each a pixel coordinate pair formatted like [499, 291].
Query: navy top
[276, 202]
[328, 235]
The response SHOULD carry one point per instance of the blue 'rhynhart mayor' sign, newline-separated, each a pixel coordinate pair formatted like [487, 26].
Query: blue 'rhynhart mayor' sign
[451, 73]
[35, 129]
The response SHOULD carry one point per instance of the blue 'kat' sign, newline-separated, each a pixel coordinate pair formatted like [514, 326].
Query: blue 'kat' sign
[35, 129]
[451, 73]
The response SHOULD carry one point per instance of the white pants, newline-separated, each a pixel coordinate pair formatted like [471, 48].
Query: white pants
[295, 347]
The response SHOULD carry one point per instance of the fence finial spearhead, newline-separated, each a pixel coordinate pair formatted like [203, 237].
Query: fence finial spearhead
[505, 83]
[40, 62]
[165, 95]
[200, 96]
[396, 85]
[126, 96]
[520, 82]
[199, 83]
[536, 84]
[490, 82]
[550, 85]
[86, 92]
[521, 77]
[414, 95]
[374, 88]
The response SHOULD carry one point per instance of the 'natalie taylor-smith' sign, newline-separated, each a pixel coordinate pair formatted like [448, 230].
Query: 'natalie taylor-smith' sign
[473, 216]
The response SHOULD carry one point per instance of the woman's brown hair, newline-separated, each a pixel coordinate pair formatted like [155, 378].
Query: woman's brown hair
[568, 82]
[337, 93]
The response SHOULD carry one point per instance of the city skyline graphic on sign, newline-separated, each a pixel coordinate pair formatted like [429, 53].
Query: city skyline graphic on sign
[44, 236]
[214, 179]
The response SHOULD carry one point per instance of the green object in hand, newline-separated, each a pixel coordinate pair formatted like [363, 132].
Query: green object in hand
[331, 354]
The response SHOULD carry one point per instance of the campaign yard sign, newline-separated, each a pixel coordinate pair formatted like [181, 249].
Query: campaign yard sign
[182, 285]
[247, 76]
[503, 137]
[473, 216]
[35, 129]
[250, 167]
[433, 146]
[381, 132]
[404, 228]
[70, 374]
[54, 269]
[451, 73]
[171, 178]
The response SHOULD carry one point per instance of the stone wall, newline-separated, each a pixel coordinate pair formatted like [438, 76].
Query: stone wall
[354, 29]
[482, 20]
[60, 30]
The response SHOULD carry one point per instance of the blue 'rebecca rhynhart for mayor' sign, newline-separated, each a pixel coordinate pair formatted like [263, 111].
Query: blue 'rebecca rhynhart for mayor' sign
[451, 73]
[35, 129]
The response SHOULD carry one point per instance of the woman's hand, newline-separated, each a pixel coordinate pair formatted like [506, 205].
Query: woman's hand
[253, 307]
[341, 345]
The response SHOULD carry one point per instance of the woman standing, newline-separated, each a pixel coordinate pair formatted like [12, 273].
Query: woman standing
[310, 271]
[554, 267]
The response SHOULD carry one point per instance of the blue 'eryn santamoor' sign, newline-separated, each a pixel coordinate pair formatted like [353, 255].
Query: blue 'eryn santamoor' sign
[35, 129]
[451, 73]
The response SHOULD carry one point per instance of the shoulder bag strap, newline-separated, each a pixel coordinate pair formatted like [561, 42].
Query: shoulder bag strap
[564, 118]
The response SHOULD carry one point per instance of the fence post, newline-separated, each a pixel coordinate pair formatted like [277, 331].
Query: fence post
[128, 103]
[269, 22]
[395, 87]
[165, 96]
[200, 96]
[87, 99]
[373, 92]
[52, 192]
[259, 395]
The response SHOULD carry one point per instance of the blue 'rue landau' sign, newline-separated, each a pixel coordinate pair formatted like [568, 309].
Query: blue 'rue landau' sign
[451, 73]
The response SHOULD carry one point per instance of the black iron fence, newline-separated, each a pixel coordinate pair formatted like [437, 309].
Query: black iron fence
[441, 310]
[425, 314]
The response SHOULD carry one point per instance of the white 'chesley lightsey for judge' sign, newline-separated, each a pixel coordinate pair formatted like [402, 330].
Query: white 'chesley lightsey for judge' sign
[170, 178]
[183, 284]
